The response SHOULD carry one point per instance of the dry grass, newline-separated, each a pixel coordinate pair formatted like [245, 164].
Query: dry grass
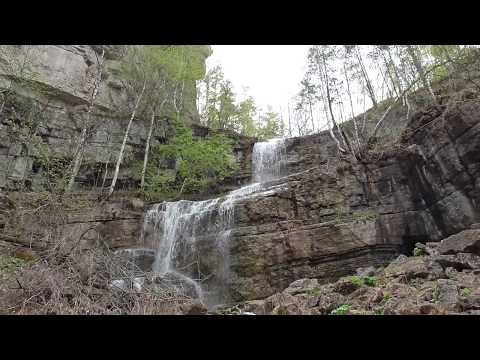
[75, 282]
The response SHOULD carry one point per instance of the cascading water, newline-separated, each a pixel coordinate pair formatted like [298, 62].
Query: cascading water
[268, 160]
[184, 231]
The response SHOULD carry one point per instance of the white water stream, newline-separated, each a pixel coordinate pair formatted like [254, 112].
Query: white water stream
[193, 236]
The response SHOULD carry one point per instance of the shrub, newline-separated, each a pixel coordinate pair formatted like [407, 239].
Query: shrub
[341, 310]
[387, 296]
[418, 252]
[357, 280]
[370, 280]
[198, 162]
[68, 281]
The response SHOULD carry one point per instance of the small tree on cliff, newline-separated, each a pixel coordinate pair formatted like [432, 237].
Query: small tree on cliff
[16, 66]
[135, 76]
[271, 126]
[155, 76]
[158, 63]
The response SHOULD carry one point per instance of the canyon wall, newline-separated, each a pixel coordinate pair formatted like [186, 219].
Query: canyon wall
[327, 216]
[331, 215]
[53, 85]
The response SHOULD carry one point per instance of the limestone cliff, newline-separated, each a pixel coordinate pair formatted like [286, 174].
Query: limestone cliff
[332, 218]
[58, 80]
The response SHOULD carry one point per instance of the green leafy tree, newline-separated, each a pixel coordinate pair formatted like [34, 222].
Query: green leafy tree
[245, 121]
[270, 125]
[199, 162]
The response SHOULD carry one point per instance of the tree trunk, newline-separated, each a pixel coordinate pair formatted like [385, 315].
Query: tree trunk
[404, 94]
[366, 78]
[125, 137]
[83, 136]
[327, 105]
[147, 145]
[355, 125]
[289, 121]
[329, 101]
[390, 75]
[147, 148]
[395, 71]
[311, 114]
[418, 66]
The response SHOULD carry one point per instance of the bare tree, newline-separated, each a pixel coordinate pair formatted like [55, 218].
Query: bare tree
[124, 142]
[78, 155]
[417, 62]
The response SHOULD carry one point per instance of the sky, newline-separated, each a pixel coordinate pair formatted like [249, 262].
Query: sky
[271, 74]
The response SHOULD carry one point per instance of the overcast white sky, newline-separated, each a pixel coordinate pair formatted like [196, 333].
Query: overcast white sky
[271, 73]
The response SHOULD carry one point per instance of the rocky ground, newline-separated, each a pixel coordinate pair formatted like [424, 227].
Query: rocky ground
[440, 278]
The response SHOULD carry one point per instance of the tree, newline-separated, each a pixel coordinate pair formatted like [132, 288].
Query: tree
[245, 117]
[226, 107]
[155, 76]
[222, 110]
[336, 73]
[199, 161]
[270, 125]
[307, 95]
[322, 58]
[78, 155]
[361, 72]
[416, 57]
[135, 82]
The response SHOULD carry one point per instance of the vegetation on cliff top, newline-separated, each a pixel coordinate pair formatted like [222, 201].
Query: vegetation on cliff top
[198, 163]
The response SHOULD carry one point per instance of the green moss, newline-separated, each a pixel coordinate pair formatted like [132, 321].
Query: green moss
[380, 311]
[363, 280]
[370, 280]
[418, 252]
[466, 292]
[313, 291]
[341, 310]
[8, 266]
[356, 280]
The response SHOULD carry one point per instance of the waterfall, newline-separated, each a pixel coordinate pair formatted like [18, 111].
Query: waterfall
[268, 160]
[193, 236]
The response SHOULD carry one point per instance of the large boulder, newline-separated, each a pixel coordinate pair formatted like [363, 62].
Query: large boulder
[414, 267]
[467, 241]
[194, 308]
[302, 286]
[460, 261]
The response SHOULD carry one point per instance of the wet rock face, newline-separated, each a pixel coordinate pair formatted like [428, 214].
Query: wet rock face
[331, 216]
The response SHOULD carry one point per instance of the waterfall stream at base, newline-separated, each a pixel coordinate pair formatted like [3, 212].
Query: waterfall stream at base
[193, 236]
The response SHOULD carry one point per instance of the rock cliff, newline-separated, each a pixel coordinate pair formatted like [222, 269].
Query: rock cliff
[52, 84]
[330, 218]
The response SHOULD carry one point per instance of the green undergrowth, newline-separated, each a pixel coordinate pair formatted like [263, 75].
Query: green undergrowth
[187, 164]
[341, 310]
[363, 280]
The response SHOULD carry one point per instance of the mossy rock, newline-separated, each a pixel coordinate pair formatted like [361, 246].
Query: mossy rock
[25, 254]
